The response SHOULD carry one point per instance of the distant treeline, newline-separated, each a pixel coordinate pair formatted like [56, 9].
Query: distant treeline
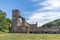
[55, 23]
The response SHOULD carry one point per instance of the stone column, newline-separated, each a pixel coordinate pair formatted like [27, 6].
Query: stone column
[23, 25]
[23, 22]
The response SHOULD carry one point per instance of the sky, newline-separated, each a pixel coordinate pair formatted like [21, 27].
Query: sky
[40, 11]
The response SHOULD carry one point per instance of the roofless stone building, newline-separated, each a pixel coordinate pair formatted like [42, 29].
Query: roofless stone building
[18, 22]
[19, 25]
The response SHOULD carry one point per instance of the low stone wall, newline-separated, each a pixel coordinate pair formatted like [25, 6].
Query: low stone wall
[45, 30]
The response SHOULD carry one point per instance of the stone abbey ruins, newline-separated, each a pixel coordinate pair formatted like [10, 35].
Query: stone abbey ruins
[19, 25]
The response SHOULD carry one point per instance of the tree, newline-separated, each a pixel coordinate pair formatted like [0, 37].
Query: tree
[5, 23]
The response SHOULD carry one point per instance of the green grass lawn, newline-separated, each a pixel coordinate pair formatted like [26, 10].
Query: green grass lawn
[18, 36]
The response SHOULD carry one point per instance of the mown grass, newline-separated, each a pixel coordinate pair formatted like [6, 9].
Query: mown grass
[18, 36]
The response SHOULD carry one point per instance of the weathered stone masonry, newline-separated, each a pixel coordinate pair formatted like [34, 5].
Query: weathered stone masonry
[18, 26]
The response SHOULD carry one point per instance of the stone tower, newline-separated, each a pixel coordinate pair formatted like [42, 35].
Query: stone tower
[15, 20]
[18, 22]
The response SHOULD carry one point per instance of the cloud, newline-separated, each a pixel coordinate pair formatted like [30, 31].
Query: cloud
[49, 4]
[48, 12]
[43, 17]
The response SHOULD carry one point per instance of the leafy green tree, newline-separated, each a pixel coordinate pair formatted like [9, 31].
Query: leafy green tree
[5, 23]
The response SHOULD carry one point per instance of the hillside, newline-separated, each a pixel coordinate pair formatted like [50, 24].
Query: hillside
[55, 23]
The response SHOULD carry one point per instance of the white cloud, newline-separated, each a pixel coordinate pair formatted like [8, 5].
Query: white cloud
[50, 4]
[43, 17]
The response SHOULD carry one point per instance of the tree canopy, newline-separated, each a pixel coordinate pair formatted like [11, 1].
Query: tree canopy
[5, 23]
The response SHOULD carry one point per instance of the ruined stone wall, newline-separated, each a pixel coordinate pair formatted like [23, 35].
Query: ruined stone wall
[15, 20]
[17, 24]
